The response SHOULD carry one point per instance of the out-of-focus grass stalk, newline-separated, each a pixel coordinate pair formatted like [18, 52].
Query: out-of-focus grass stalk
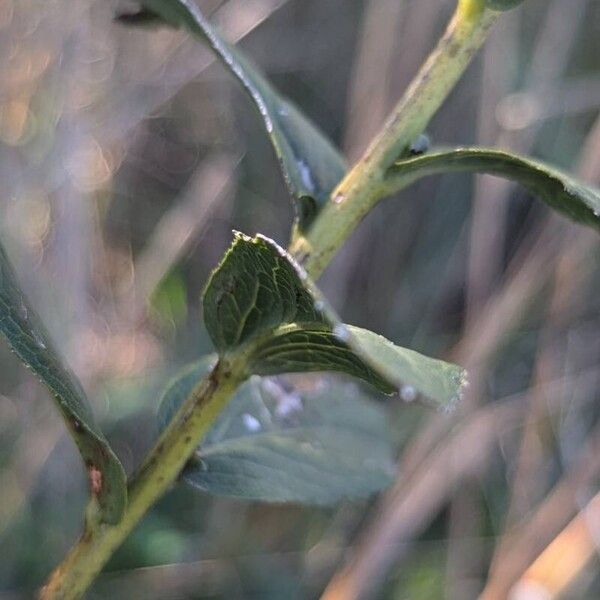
[559, 565]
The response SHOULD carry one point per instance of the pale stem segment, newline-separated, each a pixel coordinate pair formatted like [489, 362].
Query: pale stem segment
[161, 467]
[363, 186]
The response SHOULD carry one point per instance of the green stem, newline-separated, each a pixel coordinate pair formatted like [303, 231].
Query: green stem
[161, 467]
[352, 199]
[362, 187]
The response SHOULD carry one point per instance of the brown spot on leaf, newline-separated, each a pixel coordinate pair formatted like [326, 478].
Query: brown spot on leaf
[95, 479]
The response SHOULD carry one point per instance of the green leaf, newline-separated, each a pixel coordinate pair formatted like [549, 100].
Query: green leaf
[254, 290]
[311, 165]
[260, 302]
[559, 190]
[29, 339]
[363, 354]
[409, 371]
[307, 347]
[277, 445]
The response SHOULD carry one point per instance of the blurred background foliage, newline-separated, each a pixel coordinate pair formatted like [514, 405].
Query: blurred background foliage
[126, 159]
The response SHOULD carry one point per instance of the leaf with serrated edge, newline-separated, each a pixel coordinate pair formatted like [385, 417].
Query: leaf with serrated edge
[310, 164]
[30, 341]
[254, 290]
[259, 301]
[274, 445]
[560, 191]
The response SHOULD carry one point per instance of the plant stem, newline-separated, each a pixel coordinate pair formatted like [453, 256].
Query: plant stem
[362, 187]
[352, 199]
[161, 467]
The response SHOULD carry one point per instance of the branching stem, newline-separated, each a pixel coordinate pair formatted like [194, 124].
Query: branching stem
[363, 186]
[350, 202]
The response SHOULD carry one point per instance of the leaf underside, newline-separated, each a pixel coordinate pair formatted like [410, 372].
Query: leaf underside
[310, 164]
[559, 190]
[260, 302]
[30, 341]
[274, 445]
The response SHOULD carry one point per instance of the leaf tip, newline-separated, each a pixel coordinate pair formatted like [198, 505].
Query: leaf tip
[461, 378]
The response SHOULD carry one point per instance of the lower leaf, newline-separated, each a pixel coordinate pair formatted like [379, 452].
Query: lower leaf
[278, 445]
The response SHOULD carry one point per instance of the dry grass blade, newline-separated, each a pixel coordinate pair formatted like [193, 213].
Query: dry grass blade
[530, 539]
[570, 271]
[406, 510]
[206, 194]
[559, 565]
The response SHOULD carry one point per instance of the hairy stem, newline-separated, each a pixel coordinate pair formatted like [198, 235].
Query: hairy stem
[352, 199]
[161, 467]
[363, 187]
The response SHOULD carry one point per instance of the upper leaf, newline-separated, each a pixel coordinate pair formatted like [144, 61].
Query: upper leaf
[311, 165]
[559, 190]
[259, 301]
[274, 445]
[255, 289]
[28, 338]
